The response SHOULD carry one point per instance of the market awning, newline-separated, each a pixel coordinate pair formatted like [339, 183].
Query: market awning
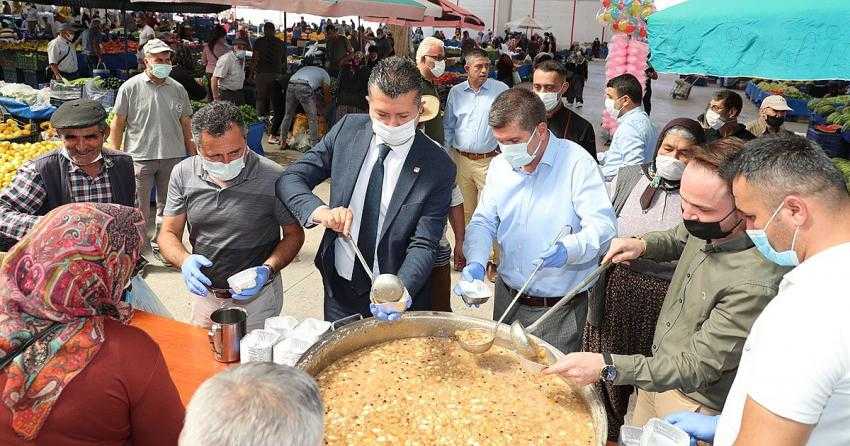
[176, 7]
[408, 9]
[789, 40]
[453, 16]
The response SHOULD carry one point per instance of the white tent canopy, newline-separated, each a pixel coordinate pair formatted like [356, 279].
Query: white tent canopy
[527, 23]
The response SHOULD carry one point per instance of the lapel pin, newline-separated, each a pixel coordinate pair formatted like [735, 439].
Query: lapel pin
[416, 169]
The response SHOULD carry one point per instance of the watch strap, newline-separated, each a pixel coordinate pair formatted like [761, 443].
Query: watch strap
[606, 357]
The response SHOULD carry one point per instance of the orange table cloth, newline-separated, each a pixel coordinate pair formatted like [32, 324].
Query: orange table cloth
[186, 349]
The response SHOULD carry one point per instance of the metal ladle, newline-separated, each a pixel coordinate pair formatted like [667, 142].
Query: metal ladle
[522, 343]
[386, 288]
[481, 347]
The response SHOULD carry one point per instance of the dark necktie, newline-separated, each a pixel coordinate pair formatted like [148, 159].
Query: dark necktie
[368, 235]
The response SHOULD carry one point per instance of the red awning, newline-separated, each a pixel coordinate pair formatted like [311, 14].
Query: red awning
[453, 17]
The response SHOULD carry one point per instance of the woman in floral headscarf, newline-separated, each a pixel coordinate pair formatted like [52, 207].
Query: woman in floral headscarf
[87, 378]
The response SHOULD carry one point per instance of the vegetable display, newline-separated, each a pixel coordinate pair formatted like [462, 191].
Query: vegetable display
[13, 155]
[782, 89]
[843, 166]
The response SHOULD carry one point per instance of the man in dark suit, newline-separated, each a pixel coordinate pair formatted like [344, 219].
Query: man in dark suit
[390, 192]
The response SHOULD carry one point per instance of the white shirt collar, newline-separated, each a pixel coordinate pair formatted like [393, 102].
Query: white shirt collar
[827, 263]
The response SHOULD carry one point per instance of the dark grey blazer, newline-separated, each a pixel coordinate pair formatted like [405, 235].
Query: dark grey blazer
[414, 222]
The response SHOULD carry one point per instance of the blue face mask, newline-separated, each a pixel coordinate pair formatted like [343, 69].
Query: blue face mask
[759, 238]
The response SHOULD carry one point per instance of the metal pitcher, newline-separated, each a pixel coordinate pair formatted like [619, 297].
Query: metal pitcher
[227, 330]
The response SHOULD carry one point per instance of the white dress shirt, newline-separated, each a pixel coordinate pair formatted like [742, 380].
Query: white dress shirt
[344, 256]
[633, 143]
[524, 212]
[796, 361]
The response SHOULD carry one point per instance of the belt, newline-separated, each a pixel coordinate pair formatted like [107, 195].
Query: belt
[305, 84]
[534, 301]
[479, 156]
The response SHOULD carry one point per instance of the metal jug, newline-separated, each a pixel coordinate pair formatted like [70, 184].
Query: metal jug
[227, 330]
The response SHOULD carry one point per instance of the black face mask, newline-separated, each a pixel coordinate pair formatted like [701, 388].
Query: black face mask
[774, 121]
[709, 231]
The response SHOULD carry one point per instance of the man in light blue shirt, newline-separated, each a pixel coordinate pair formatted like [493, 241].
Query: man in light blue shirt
[634, 140]
[466, 130]
[538, 186]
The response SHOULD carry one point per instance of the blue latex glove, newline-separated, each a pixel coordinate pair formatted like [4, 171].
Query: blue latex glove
[554, 257]
[391, 311]
[263, 273]
[196, 281]
[698, 426]
[471, 271]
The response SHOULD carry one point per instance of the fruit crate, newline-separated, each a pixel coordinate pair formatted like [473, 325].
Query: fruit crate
[10, 75]
[7, 59]
[34, 78]
[832, 143]
[26, 61]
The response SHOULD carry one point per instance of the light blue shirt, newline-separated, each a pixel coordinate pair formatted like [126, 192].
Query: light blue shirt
[633, 143]
[525, 212]
[465, 123]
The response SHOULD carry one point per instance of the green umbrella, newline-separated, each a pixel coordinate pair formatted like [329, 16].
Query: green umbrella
[773, 39]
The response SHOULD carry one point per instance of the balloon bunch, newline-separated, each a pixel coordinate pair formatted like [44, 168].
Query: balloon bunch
[626, 16]
[625, 55]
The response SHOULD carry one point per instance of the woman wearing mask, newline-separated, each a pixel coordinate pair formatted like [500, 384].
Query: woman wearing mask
[215, 47]
[87, 378]
[625, 302]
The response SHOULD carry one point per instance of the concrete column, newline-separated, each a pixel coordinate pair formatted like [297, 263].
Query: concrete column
[503, 15]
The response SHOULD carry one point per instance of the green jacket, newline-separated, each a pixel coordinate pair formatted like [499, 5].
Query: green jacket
[717, 292]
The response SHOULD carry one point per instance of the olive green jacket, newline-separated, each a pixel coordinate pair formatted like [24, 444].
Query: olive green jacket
[716, 293]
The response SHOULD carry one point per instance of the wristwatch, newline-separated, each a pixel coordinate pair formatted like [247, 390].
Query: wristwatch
[609, 372]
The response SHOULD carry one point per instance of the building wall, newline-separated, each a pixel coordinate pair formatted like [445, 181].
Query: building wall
[555, 13]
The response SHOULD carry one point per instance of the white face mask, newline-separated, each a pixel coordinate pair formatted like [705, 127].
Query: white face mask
[713, 119]
[439, 68]
[394, 136]
[517, 154]
[550, 99]
[669, 168]
[224, 171]
[611, 108]
[67, 155]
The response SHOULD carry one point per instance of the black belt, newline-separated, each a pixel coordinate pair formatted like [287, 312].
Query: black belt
[306, 84]
[536, 301]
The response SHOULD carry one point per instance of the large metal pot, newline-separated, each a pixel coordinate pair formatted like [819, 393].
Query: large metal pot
[368, 332]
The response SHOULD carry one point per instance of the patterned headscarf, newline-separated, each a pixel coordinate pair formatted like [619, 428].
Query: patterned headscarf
[71, 268]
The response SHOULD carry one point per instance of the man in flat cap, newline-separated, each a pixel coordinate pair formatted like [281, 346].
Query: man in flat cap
[229, 75]
[80, 171]
[61, 55]
[153, 118]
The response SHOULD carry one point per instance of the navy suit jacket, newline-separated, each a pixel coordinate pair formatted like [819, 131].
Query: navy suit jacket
[415, 220]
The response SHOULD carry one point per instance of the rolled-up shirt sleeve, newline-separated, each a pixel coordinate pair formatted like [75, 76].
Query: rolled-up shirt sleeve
[714, 348]
[20, 202]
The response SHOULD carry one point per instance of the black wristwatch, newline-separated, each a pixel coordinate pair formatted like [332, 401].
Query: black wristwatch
[609, 372]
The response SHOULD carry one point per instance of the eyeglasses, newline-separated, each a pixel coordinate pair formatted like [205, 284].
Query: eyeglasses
[436, 57]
